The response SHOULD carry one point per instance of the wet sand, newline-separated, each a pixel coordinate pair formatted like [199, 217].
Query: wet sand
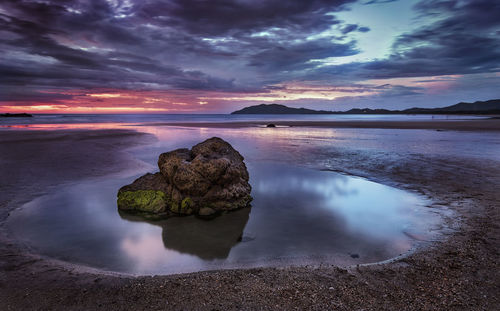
[460, 272]
[492, 124]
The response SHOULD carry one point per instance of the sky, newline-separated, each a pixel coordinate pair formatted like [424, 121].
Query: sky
[217, 56]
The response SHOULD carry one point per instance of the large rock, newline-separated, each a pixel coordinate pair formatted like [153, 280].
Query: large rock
[208, 179]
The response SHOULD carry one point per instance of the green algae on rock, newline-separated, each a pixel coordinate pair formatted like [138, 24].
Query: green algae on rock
[142, 200]
[212, 174]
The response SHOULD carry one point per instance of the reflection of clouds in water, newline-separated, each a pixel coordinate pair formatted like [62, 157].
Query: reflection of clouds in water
[279, 180]
[148, 253]
[146, 250]
[296, 212]
[359, 205]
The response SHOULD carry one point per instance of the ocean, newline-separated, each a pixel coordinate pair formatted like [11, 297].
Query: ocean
[158, 118]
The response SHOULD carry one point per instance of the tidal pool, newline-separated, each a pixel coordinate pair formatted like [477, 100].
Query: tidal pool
[299, 215]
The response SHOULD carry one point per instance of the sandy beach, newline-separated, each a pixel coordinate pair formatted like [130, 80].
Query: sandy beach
[459, 272]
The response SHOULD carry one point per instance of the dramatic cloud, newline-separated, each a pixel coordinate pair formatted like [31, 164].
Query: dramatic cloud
[191, 55]
[465, 41]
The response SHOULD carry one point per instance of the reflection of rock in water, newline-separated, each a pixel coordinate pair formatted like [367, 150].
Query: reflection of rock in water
[206, 239]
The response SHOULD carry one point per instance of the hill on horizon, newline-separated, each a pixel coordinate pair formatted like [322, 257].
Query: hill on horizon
[478, 107]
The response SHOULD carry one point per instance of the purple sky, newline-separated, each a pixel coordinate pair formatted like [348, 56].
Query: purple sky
[218, 56]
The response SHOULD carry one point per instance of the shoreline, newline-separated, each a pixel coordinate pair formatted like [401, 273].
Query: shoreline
[458, 125]
[459, 272]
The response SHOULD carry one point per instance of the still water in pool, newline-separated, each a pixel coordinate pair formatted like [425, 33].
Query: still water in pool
[299, 215]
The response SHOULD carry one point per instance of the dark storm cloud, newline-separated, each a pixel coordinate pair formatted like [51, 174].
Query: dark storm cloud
[159, 45]
[8, 94]
[349, 28]
[225, 46]
[388, 90]
[380, 1]
[44, 61]
[222, 17]
[294, 56]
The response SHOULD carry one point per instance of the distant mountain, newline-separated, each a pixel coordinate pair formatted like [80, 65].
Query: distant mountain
[278, 109]
[15, 115]
[479, 107]
[489, 106]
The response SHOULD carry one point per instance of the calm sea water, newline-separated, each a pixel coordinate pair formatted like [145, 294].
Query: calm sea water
[155, 118]
[299, 214]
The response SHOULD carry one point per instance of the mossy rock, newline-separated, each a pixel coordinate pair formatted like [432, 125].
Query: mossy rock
[212, 174]
[185, 207]
[153, 201]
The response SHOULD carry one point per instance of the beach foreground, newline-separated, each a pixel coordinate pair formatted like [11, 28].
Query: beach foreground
[459, 272]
